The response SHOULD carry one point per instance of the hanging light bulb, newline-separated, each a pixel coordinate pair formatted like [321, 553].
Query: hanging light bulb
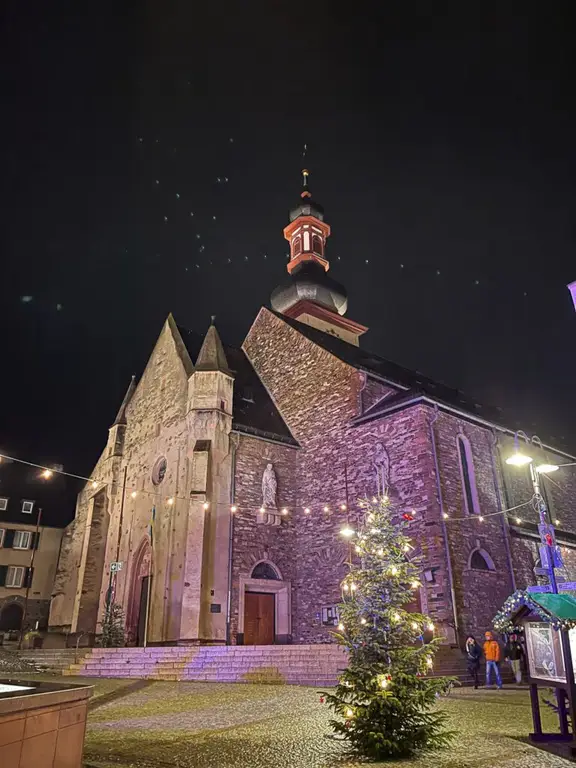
[347, 531]
[206, 505]
[47, 474]
[415, 584]
[233, 508]
[480, 519]
[518, 520]
[430, 627]
[134, 494]
[353, 587]
[445, 515]
[343, 507]
[284, 511]
[306, 510]
[170, 501]
[94, 484]
[380, 552]
[262, 510]
[326, 509]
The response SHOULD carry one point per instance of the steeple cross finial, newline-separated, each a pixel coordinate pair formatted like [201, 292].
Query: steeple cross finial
[305, 174]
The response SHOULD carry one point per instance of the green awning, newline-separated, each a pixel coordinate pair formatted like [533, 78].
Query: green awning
[560, 606]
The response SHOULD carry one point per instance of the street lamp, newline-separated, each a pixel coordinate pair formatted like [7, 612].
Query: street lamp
[549, 553]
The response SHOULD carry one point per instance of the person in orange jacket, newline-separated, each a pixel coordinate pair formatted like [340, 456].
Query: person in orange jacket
[492, 655]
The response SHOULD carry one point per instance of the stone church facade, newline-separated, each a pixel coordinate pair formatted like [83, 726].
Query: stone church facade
[215, 508]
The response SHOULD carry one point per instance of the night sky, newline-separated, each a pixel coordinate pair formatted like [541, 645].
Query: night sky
[150, 156]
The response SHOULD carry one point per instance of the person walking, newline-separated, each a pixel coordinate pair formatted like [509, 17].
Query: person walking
[492, 656]
[514, 653]
[473, 656]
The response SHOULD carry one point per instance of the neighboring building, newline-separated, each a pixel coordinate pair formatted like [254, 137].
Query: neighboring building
[28, 551]
[213, 443]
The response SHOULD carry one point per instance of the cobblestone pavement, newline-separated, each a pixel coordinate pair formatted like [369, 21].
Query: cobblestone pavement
[195, 725]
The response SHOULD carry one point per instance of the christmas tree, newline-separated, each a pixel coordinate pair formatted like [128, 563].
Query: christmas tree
[386, 703]
[113, 627]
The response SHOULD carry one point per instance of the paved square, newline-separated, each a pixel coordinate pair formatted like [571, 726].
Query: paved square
[204, 725]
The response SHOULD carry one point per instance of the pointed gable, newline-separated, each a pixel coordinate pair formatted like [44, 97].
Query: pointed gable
[121, 415]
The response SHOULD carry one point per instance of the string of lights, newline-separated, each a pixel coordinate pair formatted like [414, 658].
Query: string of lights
[46, 473]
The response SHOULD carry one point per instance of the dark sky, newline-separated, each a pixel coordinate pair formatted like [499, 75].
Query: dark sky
[442, 149]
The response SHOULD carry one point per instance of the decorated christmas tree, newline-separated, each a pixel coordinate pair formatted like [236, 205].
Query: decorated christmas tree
[385, 702]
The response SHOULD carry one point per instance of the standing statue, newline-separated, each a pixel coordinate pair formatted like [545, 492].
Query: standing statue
[269, 487]
[381, 463]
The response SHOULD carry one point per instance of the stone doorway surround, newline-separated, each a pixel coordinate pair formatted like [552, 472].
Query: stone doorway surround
[283, 614]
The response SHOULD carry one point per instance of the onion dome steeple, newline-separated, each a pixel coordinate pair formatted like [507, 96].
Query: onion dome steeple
[311, 296]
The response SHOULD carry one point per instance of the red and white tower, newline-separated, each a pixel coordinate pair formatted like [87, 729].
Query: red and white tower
[312, 296]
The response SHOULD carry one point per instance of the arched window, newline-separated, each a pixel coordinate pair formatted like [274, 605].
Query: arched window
[297, 248]
[265, 571]
[317, 245]
[471, 503]
[480, 560]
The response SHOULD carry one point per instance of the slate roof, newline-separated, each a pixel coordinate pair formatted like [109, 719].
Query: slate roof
[253, 410]
[411, 384]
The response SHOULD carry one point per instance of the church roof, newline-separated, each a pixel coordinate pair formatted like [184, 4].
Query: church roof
[121, 415]
[253, 410]
[212, 356]
[410, 383]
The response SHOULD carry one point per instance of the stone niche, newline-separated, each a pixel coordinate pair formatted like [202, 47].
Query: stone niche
[42, 724]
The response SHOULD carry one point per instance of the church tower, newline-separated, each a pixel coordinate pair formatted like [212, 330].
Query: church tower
[311, 296]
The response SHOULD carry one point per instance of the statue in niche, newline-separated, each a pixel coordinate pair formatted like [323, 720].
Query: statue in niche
[381, 463]
[269, 487]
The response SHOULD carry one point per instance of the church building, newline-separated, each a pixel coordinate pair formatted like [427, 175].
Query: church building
[214, 512]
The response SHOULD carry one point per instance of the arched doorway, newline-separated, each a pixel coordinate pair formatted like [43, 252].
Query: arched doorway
[264, 611]
[11, 617]
[140, 583]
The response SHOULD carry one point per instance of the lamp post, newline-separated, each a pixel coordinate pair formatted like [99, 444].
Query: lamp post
[549, 553]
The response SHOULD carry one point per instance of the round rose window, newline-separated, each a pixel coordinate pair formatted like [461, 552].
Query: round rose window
[159, 471]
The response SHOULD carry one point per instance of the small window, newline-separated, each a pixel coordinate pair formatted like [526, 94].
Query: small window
[22, 540]
[159, 470]
[317, 245]
[27, 507]
[297, 246]
[15, 576]
[480, 560]
[264, 571]
[3, 504]
[2, 532]
[471, 503]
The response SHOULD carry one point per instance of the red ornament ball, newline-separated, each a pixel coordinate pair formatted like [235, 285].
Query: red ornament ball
[407, 516]
[549, 540]
[321, 699]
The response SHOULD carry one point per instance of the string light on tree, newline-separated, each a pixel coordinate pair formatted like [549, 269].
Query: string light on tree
[386, 686]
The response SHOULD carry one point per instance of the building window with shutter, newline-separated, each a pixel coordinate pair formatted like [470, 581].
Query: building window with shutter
[470, 492]
[3, 504]
[22, 540]
[15, 576]
[27, 507]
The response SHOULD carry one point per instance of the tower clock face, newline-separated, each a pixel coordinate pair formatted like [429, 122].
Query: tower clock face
[159, 471]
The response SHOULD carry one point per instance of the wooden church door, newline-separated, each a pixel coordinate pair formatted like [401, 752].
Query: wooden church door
[259, 618]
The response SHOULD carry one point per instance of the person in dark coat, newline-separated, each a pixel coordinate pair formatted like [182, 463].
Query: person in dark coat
[473, 656]
[513, 653]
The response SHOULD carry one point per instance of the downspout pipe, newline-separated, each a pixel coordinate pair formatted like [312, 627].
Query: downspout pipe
[230, 547]
[503, 518]
[444, 528]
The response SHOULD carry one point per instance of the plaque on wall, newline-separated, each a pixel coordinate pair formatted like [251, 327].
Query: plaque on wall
[215, 608]
[330, 616]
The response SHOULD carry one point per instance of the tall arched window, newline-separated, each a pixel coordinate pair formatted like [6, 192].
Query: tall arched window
[470, 493]
[297, 248]
[480, 560]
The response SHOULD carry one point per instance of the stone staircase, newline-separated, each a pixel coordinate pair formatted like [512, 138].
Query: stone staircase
[54, 660]
[273, 664]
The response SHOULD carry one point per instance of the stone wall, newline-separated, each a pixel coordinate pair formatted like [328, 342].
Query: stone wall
[255, 541]
[318, 395]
